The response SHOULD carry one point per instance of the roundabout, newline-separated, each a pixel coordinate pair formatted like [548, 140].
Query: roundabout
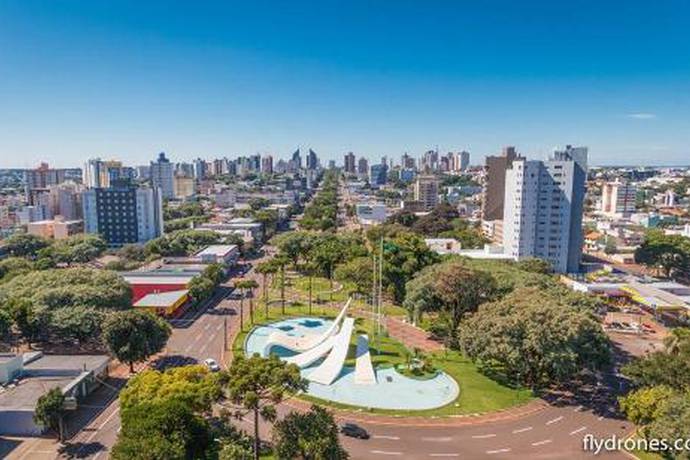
[383, 388]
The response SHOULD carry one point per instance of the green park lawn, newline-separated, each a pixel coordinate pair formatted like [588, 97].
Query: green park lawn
[478, 393]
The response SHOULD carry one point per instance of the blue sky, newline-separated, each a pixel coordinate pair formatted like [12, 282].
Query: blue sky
[379, 77]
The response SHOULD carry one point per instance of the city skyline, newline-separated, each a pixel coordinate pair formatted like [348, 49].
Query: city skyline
[127, 81]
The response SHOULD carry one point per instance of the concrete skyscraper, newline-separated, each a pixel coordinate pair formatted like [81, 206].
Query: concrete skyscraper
[162, 176]
[349, 163]
[543, 207]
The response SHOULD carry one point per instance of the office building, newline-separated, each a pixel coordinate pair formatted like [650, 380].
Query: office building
[543, 209]
[184, 187]
[39, 180]
[349, 163]
[407, 162]
[267, 164]
[494, 185]
[463, 161]
[199, 169]
[426, 191]
[378, 175]
[99, 173]
[618, 199]
[57, 228]
[362, 167]
[123, 213]
[162, 176]
[296, 160]
[312, 160]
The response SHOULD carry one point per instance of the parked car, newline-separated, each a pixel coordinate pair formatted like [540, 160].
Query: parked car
[354, 431]
[212, 365]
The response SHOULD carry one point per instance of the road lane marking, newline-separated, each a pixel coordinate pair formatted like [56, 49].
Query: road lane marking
[498, 451]
[522, 430]
[557, 419]
[483, 436]
[219, 327]
[582, 428]
[578, 408]
[383, 436]
[601, 417]
[207, 326]
[541, 443]
[385, 452]
[445, 455]
[438, 439]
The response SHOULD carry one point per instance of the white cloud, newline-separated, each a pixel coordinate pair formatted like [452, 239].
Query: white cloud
[641, 116]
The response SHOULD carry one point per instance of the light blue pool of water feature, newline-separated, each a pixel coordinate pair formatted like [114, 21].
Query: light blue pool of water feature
[392, 390]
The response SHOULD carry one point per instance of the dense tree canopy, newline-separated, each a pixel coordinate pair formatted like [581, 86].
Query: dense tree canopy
[133, 336]
[182, 242]
[451, 289]
[669, 253]
[255, 385]
[25, 245]
[195, 385]
[534, 338]
[309, 435]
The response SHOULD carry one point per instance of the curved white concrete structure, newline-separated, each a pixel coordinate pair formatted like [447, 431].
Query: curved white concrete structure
[311, 356]
[304, 343]
[364, 370]
[330, 369]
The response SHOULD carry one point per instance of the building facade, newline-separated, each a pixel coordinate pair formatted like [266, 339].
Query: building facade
[494, 185]
[543, 210]
[618, 199]
[162, 176]
[426, 191]
[123, 214]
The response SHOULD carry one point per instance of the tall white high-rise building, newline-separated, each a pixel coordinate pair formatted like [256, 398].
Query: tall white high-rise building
[162, 176]
[618, 198]
[542, 214]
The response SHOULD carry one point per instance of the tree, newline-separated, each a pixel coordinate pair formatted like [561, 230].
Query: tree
[535, 265]
[162, 430]
[195, 386]
[358, 272]
[670, 253]
[133, 336]
[255, 385]
[535, 339]
[25, 245]
[452, 288]
[295, 245]
[14, 266]
[645, 405]
[310, 435]
[281, 262]
[247, 287]
[78, 323]
[266, 268]
[326, 253]
[670, 367]
[672, 423]
[49, 411]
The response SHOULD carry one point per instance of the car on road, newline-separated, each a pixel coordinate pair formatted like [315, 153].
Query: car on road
[212, 365]
[354, 431]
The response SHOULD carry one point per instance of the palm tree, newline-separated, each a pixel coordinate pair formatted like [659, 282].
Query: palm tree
[266, 268]
[281, 261]
[249, 286]
[310, 268]
[241, 285]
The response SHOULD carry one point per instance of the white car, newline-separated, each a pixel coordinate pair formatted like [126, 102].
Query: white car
[212, 365]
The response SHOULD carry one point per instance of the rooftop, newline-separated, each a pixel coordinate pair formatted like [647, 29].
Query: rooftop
[46, 372]
[219, 250]
[163, 299]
